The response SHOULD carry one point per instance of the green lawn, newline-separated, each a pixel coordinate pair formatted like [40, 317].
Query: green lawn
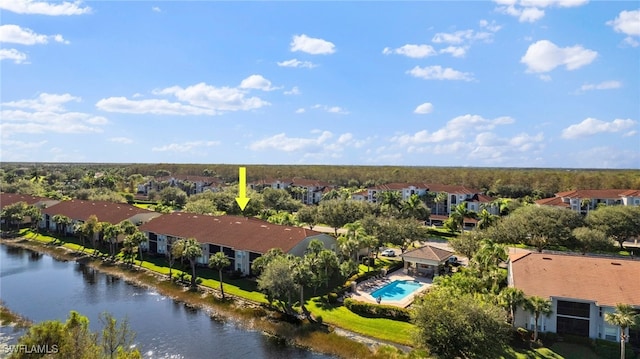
[557, 351]
[385, 329]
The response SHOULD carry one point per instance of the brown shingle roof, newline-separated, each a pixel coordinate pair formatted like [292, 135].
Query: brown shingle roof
[429, 253]
[605, 280]
[231, 231]
[631, 193]
[7, 199]
[105, 211]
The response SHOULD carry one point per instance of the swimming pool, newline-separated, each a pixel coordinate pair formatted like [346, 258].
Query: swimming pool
[396, 290]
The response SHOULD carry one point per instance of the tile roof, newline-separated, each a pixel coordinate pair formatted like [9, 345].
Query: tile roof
[431, 187]
[631, 193]
[232, 231]
[11, 198]
[553, 201]
[604, 280]
[594, 193]
[429, 253]
[105, 211]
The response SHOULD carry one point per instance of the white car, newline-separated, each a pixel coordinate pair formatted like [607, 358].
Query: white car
[388, 253]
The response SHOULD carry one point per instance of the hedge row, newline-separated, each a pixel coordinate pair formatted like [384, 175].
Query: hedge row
[377, 310]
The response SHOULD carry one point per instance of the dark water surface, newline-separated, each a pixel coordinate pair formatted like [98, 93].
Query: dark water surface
[40, 288]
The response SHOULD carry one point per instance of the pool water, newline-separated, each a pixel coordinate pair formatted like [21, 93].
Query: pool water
[397, 290]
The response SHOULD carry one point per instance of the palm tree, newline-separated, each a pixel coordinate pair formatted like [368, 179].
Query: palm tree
[585, 203]
[175, 251]
[490, 254]
[511, 298]
[440, 198]
[138, 238]
[61, 222]
[486, 219]
[111, 233]
[415, 207]
[35, 214]
[192, 251]
[390, 200]
[624, 317]
[219, 261]
[459, 213]
[538, 306]
[90, 227]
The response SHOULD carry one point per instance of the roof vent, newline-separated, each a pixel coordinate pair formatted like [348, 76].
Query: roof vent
[287, 229]
[616, 263]
[546, 258]
[238, 222]
[263, 226]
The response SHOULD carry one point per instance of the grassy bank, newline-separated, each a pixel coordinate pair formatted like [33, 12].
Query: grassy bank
[9, 318]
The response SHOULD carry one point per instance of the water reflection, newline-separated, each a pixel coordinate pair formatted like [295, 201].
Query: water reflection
[48, 289]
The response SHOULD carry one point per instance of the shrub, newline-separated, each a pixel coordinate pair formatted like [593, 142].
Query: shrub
[332, 298]
[377, 310]
[611, 350]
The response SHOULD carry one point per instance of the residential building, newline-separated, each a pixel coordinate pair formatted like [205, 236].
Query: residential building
[241, 239]
[585, 200]
[79, 211]
[190, 184]
[582, 289]
[7, 199]
[307, 191]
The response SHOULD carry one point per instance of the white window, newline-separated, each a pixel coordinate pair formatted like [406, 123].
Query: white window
[611, 333]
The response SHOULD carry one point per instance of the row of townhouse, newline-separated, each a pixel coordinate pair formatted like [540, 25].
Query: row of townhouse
[585, 200]
[189, 184]
[452, 195]
[241, 239]
[582, 289]
[305, 190]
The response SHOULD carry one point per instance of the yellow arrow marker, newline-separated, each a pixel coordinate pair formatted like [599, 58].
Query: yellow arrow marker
[242, 198]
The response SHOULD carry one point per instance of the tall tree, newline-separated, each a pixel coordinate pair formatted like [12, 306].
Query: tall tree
[111, 233]
[115, 336]
[440, 199]
[459, 326]
[414, 207]
[61, 222]
[137, 238]
[466, 243]
[620, 223]
[511, 298]
[486, 219]
[624, 317]
[308, 215]
[91, 228]
[459, 213]
[219, 261]
[192, 250]
[390, 201]
[278, 282]
[538, 306]
[589, 239]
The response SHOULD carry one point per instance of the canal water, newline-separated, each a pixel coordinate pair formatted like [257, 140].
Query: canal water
[40, 288]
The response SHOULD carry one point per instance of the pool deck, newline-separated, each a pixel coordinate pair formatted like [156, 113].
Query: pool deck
[364, 289]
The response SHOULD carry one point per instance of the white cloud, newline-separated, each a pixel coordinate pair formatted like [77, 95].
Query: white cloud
[491, 26]
[17, 35]
[461, 36]
[592, 126]
[530, 10]
[294, 91]
[46, 114]
[156, 9]
[630, 133]
[455, 51]
[150, 106]
[544, 56]
[281, 142]
[199, 99]
[628, 23]
[424, 108]
[123, 140]
[297, 63]
[185, 147]
[14, 55]
[330, 109]
[439, 73]
[605, 85]
[44, 8]
[411, 50]
[455, 129]
[257, 82]
[300, 110]
[45, 102]
[310, 45]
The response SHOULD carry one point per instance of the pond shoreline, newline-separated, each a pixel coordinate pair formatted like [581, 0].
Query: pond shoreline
[245, 313]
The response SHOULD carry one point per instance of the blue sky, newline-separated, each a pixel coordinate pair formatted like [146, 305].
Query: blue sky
[509, 83]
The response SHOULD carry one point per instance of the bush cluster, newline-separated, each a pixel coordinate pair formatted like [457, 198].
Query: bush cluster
[377, 310]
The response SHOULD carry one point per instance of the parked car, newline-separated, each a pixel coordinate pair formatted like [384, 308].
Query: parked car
[388, 253]
[453, 260]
